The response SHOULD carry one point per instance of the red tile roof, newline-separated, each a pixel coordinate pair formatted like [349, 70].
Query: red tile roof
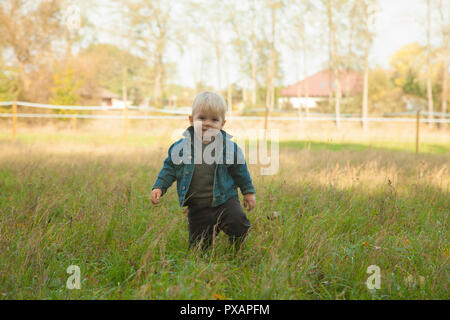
[318, 84]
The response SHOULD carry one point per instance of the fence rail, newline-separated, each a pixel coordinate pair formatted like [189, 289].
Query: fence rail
[62, 107]
[181, 114]
[324, 116]
[150, 117]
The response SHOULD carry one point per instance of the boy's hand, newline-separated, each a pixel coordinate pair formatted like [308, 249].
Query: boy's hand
[249, 201]
[155, 195]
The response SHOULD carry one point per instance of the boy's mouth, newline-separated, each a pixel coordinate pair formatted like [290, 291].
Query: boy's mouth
[212, 131]
[208, 135]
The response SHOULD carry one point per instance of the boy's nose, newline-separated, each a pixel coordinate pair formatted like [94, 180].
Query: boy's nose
[206, 124]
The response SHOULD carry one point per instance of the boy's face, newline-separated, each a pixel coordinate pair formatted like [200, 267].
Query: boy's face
[207, 121]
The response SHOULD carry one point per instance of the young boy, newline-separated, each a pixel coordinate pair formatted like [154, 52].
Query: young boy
[208, 167]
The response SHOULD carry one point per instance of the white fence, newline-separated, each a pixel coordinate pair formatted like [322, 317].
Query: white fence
[175, 114]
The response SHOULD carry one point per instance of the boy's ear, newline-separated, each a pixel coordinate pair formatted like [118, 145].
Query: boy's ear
[191, 120]
[223, 123]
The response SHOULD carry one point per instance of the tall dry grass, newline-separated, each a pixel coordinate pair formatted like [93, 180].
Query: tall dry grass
[85, 201]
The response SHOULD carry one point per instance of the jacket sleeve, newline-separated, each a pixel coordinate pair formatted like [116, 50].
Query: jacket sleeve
[239, 172]
[167, 175]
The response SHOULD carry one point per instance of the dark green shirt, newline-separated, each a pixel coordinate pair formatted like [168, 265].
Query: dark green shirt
[200, 191]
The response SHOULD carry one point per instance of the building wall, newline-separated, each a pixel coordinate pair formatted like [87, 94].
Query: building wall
[297, 102]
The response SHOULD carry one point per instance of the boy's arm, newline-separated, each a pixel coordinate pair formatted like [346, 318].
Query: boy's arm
[240, 173]
[167, 175]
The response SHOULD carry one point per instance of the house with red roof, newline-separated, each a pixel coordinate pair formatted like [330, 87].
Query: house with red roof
[309, 91]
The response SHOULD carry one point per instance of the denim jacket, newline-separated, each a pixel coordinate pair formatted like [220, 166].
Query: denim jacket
[230, 172]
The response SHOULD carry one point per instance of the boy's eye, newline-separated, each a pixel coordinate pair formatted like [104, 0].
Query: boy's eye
[215, 120]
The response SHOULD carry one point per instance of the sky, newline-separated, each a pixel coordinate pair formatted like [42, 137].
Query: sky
[397, 23]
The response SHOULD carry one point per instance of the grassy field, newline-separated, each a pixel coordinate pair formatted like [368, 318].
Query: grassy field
[83, 199]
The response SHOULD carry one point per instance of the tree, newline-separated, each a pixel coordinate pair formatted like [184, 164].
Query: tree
[409, 70]
[28, 31]
[103, 66]
[65, 90]
[238, 21]
[253, 52]
[384, 96]
[273, 6]
[407, 67]
[333, 7]
[354, 21]
[368, 10]
[151, 26]
[8, 83]
[301, 40]
[207, 20]
[444, 15]
[429, 86]
[77, 28]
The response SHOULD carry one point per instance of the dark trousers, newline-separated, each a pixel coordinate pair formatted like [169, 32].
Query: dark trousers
[205, 223]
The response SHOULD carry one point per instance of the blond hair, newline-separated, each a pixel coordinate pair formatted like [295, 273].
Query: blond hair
[209, 102]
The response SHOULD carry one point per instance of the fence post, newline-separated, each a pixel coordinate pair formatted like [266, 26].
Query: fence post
[74, 123]
[417, 130]
[125, 122]
[14, 120]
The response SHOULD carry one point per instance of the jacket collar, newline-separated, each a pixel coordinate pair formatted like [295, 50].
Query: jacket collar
[190, 131]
